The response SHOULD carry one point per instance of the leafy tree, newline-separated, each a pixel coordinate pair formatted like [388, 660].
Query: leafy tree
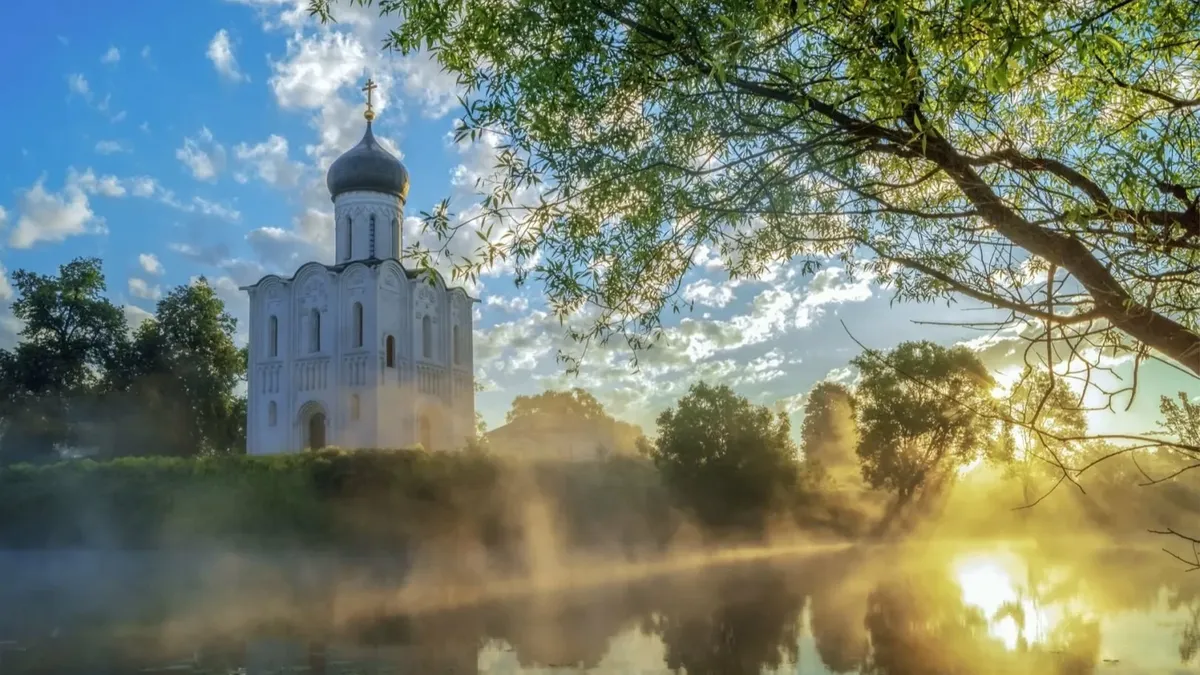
[576, 407]
[577, 403]
[921, 414]
[1046, 421]
[1040, 157]
[731, 461]
[71, 336]
[1181, 418]
[829, 434]
[180, 372]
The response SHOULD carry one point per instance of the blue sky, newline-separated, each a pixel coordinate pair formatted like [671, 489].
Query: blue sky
[177, 139]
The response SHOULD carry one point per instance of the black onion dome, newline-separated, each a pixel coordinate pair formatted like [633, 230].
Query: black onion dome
[367, 166]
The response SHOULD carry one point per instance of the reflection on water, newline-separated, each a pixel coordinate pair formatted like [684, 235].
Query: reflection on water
[923, 610]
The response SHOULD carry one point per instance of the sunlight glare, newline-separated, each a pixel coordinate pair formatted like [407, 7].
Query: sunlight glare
[987, 583]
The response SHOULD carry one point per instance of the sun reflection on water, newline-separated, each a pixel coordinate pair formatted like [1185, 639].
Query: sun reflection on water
[994, 583]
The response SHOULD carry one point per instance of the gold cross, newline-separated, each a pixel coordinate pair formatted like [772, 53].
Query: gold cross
[370, 89]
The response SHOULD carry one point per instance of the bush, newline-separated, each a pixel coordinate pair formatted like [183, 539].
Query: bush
[328, 499]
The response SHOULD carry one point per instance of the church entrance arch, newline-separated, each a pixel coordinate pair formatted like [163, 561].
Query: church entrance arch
[314, 425]
[316, 431]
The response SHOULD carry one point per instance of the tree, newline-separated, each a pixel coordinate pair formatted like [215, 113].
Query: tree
[185, 361]
[922, 415]
[1039, 157]
[71, 336]
[829, 434]
[580, 409]
[1181, 419]
[1046, 425]
[577, 403]
[730, 461]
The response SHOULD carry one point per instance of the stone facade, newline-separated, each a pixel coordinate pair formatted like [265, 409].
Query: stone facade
[361, 353]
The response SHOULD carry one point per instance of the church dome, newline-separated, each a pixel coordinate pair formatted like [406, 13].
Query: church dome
[367, 166]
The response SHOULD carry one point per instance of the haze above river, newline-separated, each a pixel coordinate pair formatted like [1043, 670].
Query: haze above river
[917, 608]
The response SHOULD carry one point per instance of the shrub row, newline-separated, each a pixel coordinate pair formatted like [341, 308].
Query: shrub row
[329, 499]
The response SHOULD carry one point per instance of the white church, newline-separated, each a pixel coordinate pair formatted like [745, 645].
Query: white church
[361, 353]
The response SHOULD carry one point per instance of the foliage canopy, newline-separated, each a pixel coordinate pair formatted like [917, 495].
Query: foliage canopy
[1037, 156]
[922, 414]
[79, 378]
[732, 461]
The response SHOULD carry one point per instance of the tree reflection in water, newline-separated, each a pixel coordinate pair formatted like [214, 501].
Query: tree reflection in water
[857, 611]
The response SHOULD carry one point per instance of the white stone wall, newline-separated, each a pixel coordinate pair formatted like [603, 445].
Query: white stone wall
[335, 375]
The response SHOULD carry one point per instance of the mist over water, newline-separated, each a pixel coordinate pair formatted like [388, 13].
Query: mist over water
[930, 607]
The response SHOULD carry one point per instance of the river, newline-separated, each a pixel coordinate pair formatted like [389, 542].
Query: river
[928, 609]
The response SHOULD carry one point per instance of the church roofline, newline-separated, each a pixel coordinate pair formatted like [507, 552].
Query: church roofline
[370, 262]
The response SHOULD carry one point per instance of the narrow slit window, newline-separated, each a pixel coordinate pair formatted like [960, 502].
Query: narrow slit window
[358, 324]
[427, 337]
[314, 338]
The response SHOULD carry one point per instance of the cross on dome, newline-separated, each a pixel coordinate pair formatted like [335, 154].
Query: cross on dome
[370, 89]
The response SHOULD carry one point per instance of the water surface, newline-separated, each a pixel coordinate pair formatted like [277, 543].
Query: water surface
[898, 610]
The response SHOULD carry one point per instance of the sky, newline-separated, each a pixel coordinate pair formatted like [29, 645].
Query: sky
[180, 139]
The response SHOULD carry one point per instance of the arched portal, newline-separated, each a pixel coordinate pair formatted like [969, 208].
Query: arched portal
[316, 431]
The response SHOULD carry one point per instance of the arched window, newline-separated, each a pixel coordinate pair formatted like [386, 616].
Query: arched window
[457, 348]
[396, 236]
[349, 238]
[314, 327]
[273, 336]
[354, 408]
[427, 337]
[425, 433]
[272, 413]
[390, 348]
[358, 324]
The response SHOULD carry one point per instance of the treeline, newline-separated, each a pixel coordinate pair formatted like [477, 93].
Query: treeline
[921, 419]
[81, 380]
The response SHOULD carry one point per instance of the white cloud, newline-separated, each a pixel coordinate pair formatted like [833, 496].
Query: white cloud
[316, 67]
[89, 182]
[705, 293]
[143, 186]
[139, 288]
[107, 147]
[111, 56]
[514, 304]
[135, 316]
[220, 52]
[150, 264]
[203, 156]
[426, 81]
[51, 217]
[761, 369]
[830, 286]
[78, 84]
[269, 160]
[210, 208]
[6, 290]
